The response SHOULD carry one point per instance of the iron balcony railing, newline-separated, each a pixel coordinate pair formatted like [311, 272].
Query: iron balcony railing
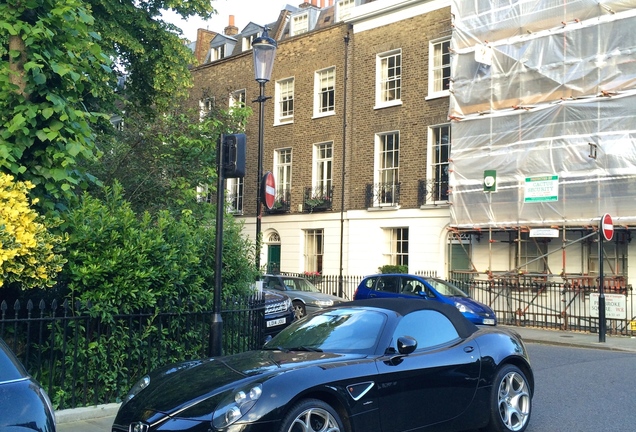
[430, 191]
[282, 202]
[382, 194]
[319, 198]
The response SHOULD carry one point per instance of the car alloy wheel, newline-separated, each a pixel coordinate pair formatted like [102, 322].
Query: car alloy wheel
[299, 310]
[312, 415]
[511, 399]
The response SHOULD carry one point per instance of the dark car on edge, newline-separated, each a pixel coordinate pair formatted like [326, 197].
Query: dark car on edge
[381, 364]
[427, 288]
[24, 405]
[279, 312]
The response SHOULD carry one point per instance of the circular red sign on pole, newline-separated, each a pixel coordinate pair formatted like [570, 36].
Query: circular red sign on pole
[607, 227]
[269, 190]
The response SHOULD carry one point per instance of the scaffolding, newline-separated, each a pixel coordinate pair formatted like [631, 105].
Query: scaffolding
[542, 100]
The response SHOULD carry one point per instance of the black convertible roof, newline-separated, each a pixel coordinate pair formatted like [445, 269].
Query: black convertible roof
[404, 306]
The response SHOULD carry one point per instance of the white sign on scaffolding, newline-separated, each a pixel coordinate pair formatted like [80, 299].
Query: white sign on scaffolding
[541, 189]
[615, 306]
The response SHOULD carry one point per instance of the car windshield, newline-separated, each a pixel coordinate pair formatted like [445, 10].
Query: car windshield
[300, 285]
[446, 289]
[338, 330]
[10, 368]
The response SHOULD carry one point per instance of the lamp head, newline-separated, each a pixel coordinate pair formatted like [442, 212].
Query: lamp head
[264, 48]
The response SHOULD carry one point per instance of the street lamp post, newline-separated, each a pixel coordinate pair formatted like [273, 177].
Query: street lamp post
[264, 50]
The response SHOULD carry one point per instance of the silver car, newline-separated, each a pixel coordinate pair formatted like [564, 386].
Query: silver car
[306, 298]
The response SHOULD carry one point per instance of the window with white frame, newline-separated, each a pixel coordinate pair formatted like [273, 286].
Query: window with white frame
[237, 99]
[204, 194]
[323, 167]
[247, 42]
[234, 195]
[300, 24]
[397, 246]
[314, 250]
[218, 52]
[440, 147]
[283, 169]
[325, 91]
[388, 165]
[205, 106]
[439, 72]
[284, 101]
[389, 78]
[344, 8]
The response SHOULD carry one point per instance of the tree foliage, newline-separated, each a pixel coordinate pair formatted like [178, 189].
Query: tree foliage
[29, 253]
[60, 61]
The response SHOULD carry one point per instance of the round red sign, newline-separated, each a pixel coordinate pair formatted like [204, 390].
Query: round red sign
[607, 226]
[269, 190]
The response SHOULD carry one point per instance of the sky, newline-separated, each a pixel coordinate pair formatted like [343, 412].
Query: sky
[244, 11]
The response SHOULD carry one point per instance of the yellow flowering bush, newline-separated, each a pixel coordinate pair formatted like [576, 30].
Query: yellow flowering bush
[27, 249]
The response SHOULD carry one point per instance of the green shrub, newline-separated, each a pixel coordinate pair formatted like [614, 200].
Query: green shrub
[390, 268]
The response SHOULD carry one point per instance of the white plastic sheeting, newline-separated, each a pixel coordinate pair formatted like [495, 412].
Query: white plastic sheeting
[543, 89]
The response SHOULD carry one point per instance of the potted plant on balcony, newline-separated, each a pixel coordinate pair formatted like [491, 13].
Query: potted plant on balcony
[318, 202]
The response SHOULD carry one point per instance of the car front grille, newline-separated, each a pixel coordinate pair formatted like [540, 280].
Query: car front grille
[275, 307]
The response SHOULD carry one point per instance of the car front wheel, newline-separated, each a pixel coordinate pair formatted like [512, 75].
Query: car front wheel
[299, 309]
[510, 401]
[312, 415]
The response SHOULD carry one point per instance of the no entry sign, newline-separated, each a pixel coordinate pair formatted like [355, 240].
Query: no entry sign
[269, 190]
[607, 227]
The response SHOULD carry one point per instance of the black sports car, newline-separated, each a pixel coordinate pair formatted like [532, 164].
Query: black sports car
[24, 405]
[369, 365]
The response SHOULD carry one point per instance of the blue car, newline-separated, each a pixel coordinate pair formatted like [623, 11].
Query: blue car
[427, 288]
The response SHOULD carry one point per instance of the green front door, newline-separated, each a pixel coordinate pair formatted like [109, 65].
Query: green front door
[273, 259]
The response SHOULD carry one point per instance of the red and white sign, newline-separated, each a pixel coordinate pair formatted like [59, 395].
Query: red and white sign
[607, 227]
[269, 190]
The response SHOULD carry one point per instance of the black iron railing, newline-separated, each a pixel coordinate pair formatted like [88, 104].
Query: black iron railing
[282, 202]
[431, 191]
[319, 198]
[83, 360]
[382, 194]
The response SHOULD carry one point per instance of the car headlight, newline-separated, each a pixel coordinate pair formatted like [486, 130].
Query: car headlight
[139, 386]
[288, 304]
[236, 405]
[463, 308]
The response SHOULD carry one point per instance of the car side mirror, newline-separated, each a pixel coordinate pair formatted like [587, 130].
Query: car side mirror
[406, 345]
[422, 294]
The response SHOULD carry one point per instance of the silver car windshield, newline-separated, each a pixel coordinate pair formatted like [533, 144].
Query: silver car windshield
[340, 330]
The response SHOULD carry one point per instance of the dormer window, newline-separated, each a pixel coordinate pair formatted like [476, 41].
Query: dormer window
[300, 24]
[218, 52]
[344, 9]
[247, 42]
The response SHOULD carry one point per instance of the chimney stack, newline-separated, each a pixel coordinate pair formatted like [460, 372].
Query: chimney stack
[231, 29]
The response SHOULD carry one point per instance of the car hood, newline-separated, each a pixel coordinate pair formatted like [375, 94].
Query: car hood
[181, 386]
[473, 305]
[314, 296]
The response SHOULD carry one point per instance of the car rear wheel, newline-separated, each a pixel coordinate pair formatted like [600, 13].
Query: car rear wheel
[510, 401]
[299, 309]
[312, 415]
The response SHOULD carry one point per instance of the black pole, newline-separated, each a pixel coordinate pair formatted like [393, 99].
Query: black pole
[216, 327]
[601, 288]
[259, 175]
[344, 153]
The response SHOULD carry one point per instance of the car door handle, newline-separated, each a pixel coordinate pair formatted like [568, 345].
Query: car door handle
[469, 349]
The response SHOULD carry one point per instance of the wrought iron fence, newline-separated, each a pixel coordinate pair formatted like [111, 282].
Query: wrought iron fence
[82, 359]
[562, 306]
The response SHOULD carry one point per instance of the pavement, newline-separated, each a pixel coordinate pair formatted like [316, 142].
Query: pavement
[100, 418]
